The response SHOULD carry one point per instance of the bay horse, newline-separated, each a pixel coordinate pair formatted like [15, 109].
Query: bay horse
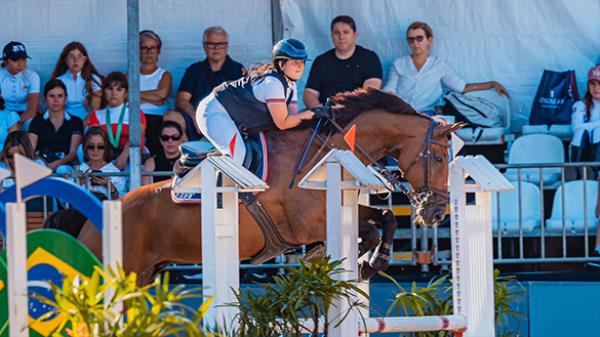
[157, 232]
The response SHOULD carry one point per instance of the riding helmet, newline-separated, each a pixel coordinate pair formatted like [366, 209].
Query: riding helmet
[290, 49]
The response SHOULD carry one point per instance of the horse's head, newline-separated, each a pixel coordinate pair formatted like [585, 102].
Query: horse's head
[423, 161]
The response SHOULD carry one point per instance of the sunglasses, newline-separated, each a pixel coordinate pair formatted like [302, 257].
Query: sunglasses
[149, 49]
[165, 138]
[95, 147]
[419, 38]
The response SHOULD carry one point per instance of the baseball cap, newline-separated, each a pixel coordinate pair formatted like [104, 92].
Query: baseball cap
[594, 73]
[14, 51]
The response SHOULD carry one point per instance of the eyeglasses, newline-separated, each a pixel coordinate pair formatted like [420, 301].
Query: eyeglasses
[165, 138]
[95, 147]
[414, 39]
[149, 49]
[215, 45]
[10, 156]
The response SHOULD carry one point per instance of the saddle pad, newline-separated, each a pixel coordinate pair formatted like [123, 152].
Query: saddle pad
[256, 160]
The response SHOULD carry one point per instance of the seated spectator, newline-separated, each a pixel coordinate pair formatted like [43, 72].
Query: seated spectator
[56, 134]
[16, 143]
[19, 85]
[155, 87]
[418, 78]
[84, 84]
[171, 136]
[346, 67]
[586, 122]
[97, 158]
[175, 116]
[9, 121]
[114, 117]
[202, 77]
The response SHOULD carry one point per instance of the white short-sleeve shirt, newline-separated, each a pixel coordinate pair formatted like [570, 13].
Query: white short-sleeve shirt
[119, 182]
[77, 93]
[422, 89]
[270, 90]
[15, 88]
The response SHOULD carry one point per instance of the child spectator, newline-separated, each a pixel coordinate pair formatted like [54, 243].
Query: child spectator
[97, 158]
[19, 85]
[114, 117]
[155, 87]
[16, 143]
[56, 134]
[83, 82]
[171, 136]
[9, 121]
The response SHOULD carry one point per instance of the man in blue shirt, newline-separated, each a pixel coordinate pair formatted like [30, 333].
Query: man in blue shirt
[202, 77]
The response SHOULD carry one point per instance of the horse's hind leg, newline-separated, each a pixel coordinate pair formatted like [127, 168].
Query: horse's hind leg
[384, 219]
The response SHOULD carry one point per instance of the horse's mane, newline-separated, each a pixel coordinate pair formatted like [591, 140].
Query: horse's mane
[348, 105]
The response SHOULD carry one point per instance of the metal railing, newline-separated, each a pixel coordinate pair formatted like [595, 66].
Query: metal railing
[421, 245]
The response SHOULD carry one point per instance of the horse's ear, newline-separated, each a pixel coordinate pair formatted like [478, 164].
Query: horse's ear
[447, 129]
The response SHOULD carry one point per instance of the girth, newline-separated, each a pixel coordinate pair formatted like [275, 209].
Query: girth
[275, 244]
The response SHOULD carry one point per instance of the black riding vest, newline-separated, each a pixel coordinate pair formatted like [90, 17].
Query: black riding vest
[248, 113]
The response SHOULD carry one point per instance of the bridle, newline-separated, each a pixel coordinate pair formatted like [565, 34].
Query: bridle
[422, 195]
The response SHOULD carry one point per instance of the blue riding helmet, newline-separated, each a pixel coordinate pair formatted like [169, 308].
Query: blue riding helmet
[287, 49]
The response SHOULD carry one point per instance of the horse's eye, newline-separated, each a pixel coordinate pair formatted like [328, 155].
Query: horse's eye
[438, 159]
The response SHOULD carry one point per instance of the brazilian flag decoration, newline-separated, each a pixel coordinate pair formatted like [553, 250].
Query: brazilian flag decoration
[51, 256]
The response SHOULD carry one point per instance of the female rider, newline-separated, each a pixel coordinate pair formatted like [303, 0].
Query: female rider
[264, 99]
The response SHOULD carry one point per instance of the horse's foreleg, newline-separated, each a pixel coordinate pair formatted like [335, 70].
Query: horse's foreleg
[384, 219]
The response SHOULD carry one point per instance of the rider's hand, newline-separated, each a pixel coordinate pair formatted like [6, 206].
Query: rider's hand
[321, 112]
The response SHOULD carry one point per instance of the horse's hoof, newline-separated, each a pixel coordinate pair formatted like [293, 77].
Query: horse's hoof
[317, 252]
[366, 271]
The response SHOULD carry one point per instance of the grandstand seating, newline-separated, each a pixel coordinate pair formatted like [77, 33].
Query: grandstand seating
[536, 149]
[574, 207]
[508, 219]
[562, 131]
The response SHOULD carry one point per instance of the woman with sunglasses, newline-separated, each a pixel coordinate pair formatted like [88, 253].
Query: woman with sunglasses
[155, 87]
[171, 136]
[264, 99]
[56, 134]
[114, 117]
[75, 69]
[97, 155]
[418, 78]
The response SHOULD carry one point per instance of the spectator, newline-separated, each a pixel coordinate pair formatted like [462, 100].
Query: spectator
[265, 98]
[175, 116]
[586, 122]
[346, 67]
[418, 78]
[155, 87]
[19, 85]
[16, 143]
[202, 77]
[56, 134]
[114, 117]
[97, 158]
[9, 121]
[84, 84]
[171, 136]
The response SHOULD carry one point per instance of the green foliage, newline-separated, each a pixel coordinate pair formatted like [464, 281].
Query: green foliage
[436, 299]
[129, 311]
[308, 292]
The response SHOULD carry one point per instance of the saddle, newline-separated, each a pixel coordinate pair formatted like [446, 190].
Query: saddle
[256, 161]
[194, 152]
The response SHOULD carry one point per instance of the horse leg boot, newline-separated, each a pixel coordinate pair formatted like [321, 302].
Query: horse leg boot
[380, 259]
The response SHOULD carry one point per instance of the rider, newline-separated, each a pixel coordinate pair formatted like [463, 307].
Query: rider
[263, 99]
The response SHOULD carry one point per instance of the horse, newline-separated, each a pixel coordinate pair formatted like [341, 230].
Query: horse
[157, 232]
